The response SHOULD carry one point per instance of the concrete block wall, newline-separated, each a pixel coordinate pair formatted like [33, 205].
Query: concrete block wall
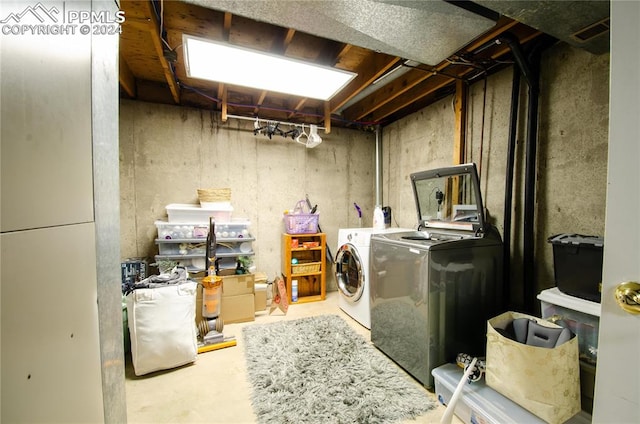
[168, 152]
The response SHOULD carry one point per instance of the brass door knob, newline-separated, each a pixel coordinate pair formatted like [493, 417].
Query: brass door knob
[628, 297]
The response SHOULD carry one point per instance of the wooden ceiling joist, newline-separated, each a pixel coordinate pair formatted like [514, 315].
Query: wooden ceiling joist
[224, 104]
[370, 70]
[127, 80]
[226, 28]
[434, 83]
[154, 28]
[327, 117]
[286, 41]
[297, 107]
[389, 99]
[259, 103]
[330, 54]
[385, 95]
[459, 136]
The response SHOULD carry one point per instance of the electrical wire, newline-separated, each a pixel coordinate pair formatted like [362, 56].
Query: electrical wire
[434, 71]
[160, 17]
[277, 109]
[162, 20]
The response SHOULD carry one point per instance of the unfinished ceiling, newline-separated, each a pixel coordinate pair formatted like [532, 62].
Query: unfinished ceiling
[583, 24]
[406, 53]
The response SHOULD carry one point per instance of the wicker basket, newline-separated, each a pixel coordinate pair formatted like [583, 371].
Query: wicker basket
[214, 194]
[305, 268]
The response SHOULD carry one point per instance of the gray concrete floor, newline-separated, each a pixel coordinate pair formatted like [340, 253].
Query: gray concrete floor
[215, 389]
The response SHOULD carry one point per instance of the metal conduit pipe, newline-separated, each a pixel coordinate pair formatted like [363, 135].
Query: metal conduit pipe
[378, 166]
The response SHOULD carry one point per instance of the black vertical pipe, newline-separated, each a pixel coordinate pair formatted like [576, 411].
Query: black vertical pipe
[530, 69]
[529, 285]
[508, 195]
[531, 77]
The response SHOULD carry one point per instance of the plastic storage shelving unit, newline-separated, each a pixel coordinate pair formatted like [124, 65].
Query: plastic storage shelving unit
[186, 243]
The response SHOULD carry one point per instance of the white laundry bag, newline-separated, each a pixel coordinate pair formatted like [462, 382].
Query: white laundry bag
[162, 326]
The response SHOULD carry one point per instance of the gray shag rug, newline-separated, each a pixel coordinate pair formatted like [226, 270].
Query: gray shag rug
[319, 370]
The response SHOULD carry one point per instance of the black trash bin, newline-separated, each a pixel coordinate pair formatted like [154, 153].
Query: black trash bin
[577, 264]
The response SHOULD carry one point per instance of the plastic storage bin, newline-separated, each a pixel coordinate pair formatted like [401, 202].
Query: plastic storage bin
[579, 315]
[181, 212]
[234, 229]
[479, 403]
[301, 223]
[177, 231]
[182, 248]
[577, 264]
[583, 318]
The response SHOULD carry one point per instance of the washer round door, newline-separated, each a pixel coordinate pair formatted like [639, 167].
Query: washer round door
[349, 273]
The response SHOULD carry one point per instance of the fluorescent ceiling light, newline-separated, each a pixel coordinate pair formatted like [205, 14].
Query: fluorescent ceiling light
[205, 59]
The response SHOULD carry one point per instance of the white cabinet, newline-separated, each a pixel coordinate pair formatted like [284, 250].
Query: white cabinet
[54, 372]
[46, 161]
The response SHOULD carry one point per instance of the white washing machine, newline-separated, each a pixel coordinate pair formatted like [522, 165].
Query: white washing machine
[352, 271]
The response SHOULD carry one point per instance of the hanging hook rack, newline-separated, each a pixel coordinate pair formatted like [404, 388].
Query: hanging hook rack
[297, 131]
[258, 122]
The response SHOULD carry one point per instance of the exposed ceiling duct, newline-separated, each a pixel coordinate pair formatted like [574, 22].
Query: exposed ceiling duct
[387, 26]
[583, 24]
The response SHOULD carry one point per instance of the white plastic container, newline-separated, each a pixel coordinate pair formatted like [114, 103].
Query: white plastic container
[182, 248]
[178, 230]
[294, 290]
[579, 315]
[378, 218]
[235, 229]
[479, 403]
[182, 212]
[583, 318]
[215, 205]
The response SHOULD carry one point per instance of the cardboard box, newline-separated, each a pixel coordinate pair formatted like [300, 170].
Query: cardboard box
[236, 285]
[261, 277]
[238, 308]
[261, 296]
